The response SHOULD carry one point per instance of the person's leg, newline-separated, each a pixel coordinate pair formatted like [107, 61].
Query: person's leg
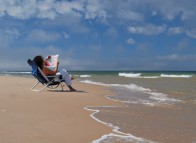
[71, 88]
[68, 80]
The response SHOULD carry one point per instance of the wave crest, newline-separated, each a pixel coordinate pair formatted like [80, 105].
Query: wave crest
[133, 75]
[175, 76]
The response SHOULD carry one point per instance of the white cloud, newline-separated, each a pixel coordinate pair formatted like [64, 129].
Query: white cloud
[147, 30]
[51, 8]
[130, 15]
[191, 33]
[65, 35]
[67, 7]
[130, 41]
[18, 9]
[175, 30]
[170, 9]
[95, 10]
[100, 10]
[154, 13]
[84, 18]
[32, 8]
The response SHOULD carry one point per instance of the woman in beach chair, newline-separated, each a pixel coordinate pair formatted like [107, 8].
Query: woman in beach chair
[64, 75]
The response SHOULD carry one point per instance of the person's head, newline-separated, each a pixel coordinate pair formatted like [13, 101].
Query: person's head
[39, 60]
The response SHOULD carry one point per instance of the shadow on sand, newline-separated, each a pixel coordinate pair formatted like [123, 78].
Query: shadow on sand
[81, 91]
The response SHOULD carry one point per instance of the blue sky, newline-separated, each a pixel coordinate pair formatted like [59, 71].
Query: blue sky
[99, 34]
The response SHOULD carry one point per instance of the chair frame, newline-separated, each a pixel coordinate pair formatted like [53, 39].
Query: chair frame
[52, 84]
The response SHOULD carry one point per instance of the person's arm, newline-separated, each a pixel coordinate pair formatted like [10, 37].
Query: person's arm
[48, 71]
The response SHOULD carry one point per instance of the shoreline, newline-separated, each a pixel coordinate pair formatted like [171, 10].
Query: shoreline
[116, 133]
[90, 115]
[50, 116]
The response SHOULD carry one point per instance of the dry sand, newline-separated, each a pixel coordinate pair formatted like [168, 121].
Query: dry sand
[49, 116]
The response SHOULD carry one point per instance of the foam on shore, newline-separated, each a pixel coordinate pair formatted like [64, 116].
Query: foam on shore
[118, 134]
[151, 99]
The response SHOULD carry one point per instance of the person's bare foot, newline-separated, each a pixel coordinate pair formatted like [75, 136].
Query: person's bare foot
[71, 88]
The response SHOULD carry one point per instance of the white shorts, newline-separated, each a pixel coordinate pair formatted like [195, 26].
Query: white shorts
[66, 76]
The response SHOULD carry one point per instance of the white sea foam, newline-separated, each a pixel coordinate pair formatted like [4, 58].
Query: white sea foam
[92, 82]
[128, 86]
[135, 87]
[85, 75]
[132, 75]
[139, 75]
[120, 135]
[162, 97]
[150, 77]
[176, 76]
[155, 97]
[136, 75]
[139, 101]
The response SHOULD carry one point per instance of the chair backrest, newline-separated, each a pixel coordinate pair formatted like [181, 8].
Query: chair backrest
[37, 72]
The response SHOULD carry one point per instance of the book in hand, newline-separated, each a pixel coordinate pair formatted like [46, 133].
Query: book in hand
[51, 61]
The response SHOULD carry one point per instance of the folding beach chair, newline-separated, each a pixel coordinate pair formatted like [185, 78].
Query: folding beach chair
[51, 82]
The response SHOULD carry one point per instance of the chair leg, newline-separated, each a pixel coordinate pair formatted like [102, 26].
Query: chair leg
[35, 85]
[61, 86]
[38, 90]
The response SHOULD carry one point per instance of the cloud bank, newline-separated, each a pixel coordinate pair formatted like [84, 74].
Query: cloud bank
[98, 34]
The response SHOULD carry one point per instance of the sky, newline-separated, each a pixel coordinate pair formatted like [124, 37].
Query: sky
[99, 34]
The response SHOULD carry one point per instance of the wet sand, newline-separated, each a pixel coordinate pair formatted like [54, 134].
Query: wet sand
[49, 116]
[163, 124]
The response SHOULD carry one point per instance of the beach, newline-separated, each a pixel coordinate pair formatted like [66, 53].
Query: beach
[49, 116]
[108, 108]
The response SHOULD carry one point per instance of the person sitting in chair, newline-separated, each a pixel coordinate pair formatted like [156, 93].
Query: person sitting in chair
[39, 60]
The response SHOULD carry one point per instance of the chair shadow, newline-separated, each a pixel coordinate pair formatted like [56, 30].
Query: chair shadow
[81, 91]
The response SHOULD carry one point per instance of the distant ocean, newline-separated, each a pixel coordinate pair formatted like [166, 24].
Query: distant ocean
[168, 93]
[159, 87]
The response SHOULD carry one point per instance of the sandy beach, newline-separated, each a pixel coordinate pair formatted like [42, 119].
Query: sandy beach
[49, 116]
[59, 116]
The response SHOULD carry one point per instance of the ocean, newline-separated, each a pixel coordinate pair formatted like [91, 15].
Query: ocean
[157, 106]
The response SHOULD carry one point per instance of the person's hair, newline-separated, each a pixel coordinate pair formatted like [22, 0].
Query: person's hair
[39, 61]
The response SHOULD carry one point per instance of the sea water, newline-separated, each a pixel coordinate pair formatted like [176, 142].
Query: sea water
[152, 87]
[158, 106]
